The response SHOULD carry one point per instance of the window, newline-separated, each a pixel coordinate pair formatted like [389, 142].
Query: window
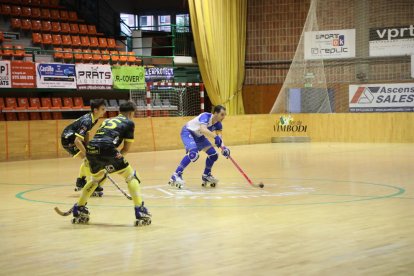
[164, 23]
[183, 23]
[128, 21]
[146, 22]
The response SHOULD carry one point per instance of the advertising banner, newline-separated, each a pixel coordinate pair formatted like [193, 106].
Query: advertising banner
[23, 74]
[128, 77]
[55, 75]
[391, 41]
[93, 76]
[5, 74]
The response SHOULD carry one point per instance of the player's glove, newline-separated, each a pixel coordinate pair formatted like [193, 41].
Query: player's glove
[218, 141]
[226, 152]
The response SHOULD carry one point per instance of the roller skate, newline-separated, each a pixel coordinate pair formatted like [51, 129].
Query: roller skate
[80, 183]
[177, 180]
[98, 192]
[209, 180]
[142, 215]
[80, 214]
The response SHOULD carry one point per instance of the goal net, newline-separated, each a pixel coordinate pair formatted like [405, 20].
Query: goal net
[343, 43]
[169, 99]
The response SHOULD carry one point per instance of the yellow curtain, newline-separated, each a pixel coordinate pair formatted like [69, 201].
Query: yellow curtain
[219, 30]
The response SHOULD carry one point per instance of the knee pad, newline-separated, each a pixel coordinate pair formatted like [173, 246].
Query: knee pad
[98, 180]
[131, 177]
[212, 154]
[193, 155]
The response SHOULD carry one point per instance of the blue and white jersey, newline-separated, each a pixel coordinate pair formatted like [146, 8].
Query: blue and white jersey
[203, 119]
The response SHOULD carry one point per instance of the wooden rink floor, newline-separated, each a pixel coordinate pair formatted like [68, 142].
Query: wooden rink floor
[326, 209]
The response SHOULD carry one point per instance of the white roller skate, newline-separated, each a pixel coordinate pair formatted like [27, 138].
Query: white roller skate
[98, 192]
[80, 214]
[177, 180]
[142, 215]
[209, 180]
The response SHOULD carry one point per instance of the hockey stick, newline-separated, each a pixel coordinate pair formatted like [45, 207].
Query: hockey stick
[260, 185]
[64, 214]
[119, 188]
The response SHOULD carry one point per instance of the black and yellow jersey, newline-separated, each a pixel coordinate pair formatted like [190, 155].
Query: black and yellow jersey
[113, 131]
[79, 128]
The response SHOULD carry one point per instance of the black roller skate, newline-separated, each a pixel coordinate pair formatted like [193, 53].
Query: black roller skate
[142, 215]
[80, 183]
[98, 192]
[80, 214]
[209, 180]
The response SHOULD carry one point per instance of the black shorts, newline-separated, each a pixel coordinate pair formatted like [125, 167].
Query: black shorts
[105, 157]
[69, 146]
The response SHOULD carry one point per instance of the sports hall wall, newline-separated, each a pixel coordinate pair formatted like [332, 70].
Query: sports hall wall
[41, 139]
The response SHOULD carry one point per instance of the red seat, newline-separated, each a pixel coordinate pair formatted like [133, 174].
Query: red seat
[76, 41]
[22, 104]
[123, 57]
[83, 29]
[64, 16]
[74, 28]
[16, 11]
[54, 15]
[45, 13]
[1, 36]
[87, 56]
[36, 13]
[96, 56]
[34, 104]
[67, 103]
[111, 43]
[5, 9]
[105, 56]
[56, 40]
[7, 51]
[58, 54]
[73, 16]
[56, 103]
[54, 3]
[67, 54]
[102, 43]
[26, 12]
[46, 103]
[11, 104]
[19, 51]
[47, 39]
[2, 105]
[93, 42]
[66, 41]
[114, 56]
[131, 58]
[46, 26]
[78, 103]
[77, 54]
[26, 24]
[55, 27]
[85, 41]
[65, 27]
[92, 29]
[36, 38]
[15, 23]
[36, 25]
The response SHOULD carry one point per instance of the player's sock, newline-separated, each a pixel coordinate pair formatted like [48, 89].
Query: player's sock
[183, 164]
[211, 158]
[133, 182]
[90, 187]
[84, 170]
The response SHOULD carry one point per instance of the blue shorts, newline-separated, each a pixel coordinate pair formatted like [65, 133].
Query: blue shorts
[191, 141]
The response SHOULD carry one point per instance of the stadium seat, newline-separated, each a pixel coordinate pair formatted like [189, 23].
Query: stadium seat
[93, 42]
[26, 2]
[56, 103]
[78, 103]
[7, 51]
[114, 57]
[64, 16]
[64, 28]
[106, 58]
[111, 43]
[67, 54]
[1, 36]
[87, 56]
[16, 11]
[11, 104]
[46, 26]
[34, 104]
[85, 41]
[45, 14]
[19, 51]
[5, 9]
[36, 13]
[92, 30]
[46, 115]
[123, 57]
[36, 38]
[66, 41]
[26, 12]
[54, 3]
[102, 43]
[15, 23]
[73, 16]
[36, 25]
[56, 40]
[55, 27]
[22, 104]
[67, 103]
[74, 28]
[26, 24]
[58, 54]
[54, 15]
[47, 39]
[83, 29]
[77, 54]
[46, 103]
[76, 41]
[131, 58]
[96, 56]
[44, 3]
